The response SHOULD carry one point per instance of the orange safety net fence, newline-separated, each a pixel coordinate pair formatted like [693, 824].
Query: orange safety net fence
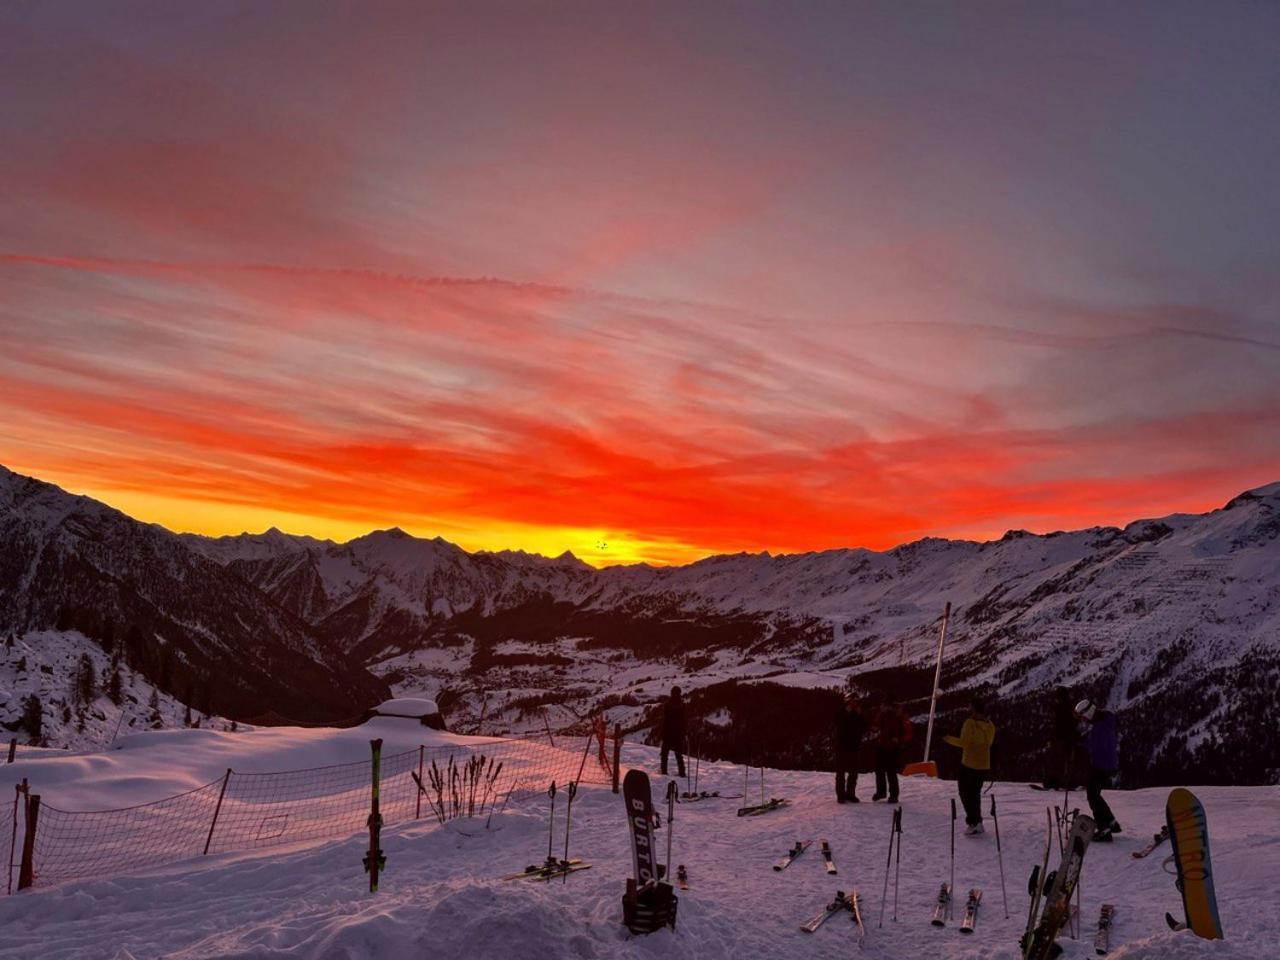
[253, 811]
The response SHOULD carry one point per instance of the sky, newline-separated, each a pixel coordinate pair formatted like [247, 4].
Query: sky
[644, 281]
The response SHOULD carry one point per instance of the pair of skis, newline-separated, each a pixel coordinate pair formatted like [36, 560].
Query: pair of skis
[769, 805]
[375, 860]
[554, 867]
[548, 871]
[943, 907]
[851, 902]
[800, 847]
[764, 806]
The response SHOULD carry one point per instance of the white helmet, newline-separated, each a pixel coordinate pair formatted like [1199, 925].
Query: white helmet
[1085, 709]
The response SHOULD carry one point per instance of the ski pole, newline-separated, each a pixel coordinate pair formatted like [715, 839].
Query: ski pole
[897, 860]
[1000, 856]
[688, 764]
[568, 816]
[888, 860]
[551, 834]
[515, 783]
[671, 819]
[951, 897]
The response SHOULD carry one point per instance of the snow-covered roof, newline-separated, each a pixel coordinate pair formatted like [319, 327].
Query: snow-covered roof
[412, 707]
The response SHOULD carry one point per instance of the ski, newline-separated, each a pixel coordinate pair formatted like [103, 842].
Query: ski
[971, 911]
[682, 877]
[639, 803]
[1038, 883]
[375, 859]
[536, 871]
[1102, 941]
[1057, 902]
[1174, 923]
[855, 905]
[759, 808]
[942, 906]
[826, 913]
[800, 847]
[561, 869]
[1156, 840]
[1189, 835]
[826, 856]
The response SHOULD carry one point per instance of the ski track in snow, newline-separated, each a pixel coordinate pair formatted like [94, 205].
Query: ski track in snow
[441, 895]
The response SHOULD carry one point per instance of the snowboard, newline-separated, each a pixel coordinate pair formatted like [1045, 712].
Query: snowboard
[971, 911]
[1057, 902]
[1189, 833]
[638, 798]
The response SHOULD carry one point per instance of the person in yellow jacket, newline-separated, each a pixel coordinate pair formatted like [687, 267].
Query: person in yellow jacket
[976, 737]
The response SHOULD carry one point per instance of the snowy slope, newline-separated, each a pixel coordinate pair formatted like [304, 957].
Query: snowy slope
[43, 663]
[440, 895]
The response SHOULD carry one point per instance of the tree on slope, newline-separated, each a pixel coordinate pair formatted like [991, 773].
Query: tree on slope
[33, 717]
[114, 691]
[86, 684]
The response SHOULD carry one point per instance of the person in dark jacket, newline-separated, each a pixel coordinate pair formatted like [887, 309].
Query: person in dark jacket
[1102, 747]
[673, 731]
[850, 727]
[1063, 735]
[893, 732]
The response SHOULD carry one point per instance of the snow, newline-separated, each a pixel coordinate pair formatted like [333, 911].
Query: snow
[441, 896]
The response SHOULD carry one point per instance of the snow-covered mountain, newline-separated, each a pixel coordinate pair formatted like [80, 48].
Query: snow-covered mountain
[1173, 622]
[189, 625]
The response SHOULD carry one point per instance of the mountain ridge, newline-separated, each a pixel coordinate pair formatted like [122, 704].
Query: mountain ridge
[1174, 616]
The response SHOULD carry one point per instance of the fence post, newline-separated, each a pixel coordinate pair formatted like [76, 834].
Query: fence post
[19, 789]
[27, 872]
[546, 722]
[13, 749]
[417, 815]
[217, 810]
[617, 753]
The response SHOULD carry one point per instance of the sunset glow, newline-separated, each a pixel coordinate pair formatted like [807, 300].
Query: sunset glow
[639, 285]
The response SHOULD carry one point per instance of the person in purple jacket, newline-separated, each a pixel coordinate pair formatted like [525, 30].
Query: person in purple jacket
[1102, 747]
